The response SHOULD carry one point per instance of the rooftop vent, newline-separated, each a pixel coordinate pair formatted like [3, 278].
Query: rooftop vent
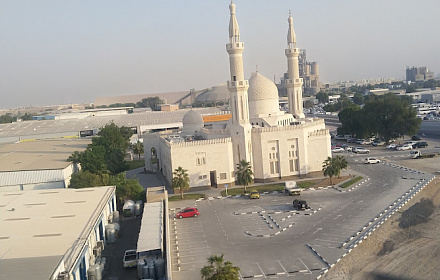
[48, 235]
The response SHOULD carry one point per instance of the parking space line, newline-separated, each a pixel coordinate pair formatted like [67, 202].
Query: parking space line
[283, 268]
[305, 265]
[262, 272]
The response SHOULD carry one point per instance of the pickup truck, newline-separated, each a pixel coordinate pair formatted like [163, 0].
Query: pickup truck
[291, 188]
[130, 258]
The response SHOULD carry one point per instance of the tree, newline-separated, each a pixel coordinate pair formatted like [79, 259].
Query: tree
[218, 269]
[244, 173]
[358, 99]
[341, 163]
[329, 168]
[309, 104]
[112, 137]
[75, 158]
[180, 180]
[151, 102]
[126, 188]
[85, 179]
[138, 149]
[322, 97]
[93, 159]
[390, 115]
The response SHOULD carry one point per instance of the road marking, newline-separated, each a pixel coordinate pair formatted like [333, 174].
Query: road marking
[318, 229]
[261, 270]
[305, 265]
[283, 267]
[340, 215]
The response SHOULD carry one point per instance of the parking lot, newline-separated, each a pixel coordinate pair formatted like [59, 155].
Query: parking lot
[267, 238]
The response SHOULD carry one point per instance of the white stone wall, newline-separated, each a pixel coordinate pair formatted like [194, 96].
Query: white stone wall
[202, 157]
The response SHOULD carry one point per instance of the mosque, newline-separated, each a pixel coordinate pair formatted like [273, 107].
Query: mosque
[277, 144]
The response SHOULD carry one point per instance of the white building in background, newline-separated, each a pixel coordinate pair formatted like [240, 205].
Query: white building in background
[53, 234]
[278, 145]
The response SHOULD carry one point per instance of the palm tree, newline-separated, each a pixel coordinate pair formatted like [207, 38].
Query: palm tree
[75, 158]
[341, 163]
[218, 269]
[138, 149]
[329, 168]
[244, 173]
[180, 180]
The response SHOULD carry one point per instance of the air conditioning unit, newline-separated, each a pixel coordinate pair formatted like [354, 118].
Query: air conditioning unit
[64, 275]
[100, 244]
[96, 251]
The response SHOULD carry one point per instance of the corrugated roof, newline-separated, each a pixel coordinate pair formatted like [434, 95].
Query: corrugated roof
[150, 235]
[74, 126]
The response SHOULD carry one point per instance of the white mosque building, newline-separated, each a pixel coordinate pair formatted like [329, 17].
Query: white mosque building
[278, 145]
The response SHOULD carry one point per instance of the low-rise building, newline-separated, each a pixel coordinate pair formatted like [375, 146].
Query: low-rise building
[53, 234]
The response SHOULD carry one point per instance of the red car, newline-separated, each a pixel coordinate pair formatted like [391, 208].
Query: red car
[188, 212]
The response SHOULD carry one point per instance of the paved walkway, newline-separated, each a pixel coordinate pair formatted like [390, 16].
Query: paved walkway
[154, 180]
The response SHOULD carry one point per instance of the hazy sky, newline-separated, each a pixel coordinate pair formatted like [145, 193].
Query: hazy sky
[72, 51]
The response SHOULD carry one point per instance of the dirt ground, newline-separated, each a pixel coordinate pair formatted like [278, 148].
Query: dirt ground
[407, 246]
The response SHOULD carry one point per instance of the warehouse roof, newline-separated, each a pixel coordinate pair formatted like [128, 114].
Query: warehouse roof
[48, 154]
[41, 228]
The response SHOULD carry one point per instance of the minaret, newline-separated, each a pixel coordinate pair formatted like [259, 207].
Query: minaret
[239, 127]
[294, 82]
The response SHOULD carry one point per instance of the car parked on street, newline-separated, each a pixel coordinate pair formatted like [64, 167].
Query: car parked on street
[188, 212]
[404, 147]
[391, 146]
[338, 150]
[254, 195]
[416, 138]
[300, 204]
[371, 160]
[360, 150]
[420, 145]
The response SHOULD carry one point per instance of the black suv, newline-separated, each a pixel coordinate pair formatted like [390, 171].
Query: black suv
[420, 145]
[300, 204]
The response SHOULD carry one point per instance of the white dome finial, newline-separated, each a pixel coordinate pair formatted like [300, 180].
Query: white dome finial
[234, 30]
[291, 36]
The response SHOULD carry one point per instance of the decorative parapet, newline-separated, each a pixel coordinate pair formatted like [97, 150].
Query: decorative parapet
[307, 123]
[199, 142]
[321, 132]
[215, 131]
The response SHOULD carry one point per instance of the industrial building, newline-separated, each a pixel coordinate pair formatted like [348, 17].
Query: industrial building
[418, 74]
[38, 164]
[53, 234]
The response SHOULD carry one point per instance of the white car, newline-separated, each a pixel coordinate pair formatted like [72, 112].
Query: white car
[371, 160]
[360, 150]
[338, 150]
[404, 147]
[391, 146]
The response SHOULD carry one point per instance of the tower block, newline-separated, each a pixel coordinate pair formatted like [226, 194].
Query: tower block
[293, 83]
[240, 127]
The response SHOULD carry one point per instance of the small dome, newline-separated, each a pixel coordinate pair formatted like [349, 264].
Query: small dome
[261, 88]
[192, 118]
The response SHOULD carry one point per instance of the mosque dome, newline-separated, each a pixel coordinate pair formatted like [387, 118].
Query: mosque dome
[263, 96]
[192, 122]
[192, 117]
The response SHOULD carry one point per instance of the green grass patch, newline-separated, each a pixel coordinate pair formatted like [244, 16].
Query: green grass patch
[351, 182]
[135, 164]
[188, 196]
[306, 184]
[261, 188]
